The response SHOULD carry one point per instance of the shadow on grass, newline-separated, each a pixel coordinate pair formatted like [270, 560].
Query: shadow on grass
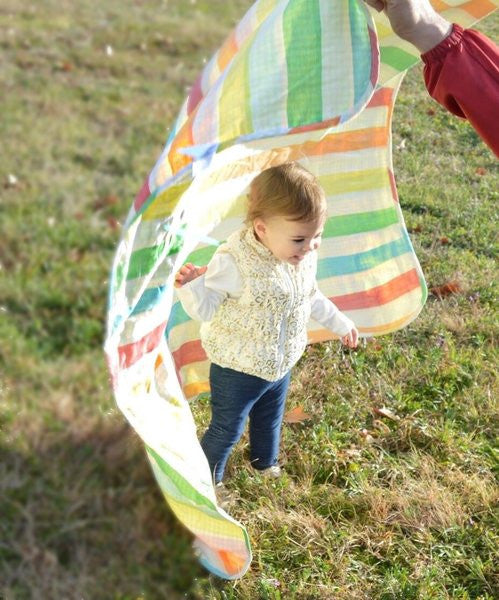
[82, 517]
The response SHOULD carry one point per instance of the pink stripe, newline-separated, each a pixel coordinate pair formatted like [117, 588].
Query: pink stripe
[393, 185]
[131, 353]
[143, 195]
[195, 96]
[375, 56]
[188, 353]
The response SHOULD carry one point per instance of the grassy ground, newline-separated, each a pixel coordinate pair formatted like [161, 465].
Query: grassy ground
[404, 509]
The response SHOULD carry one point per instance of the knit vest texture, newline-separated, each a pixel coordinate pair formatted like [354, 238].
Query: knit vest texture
[264, 331]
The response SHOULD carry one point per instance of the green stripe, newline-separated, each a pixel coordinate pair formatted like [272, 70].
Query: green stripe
[360, 222]
[182, 485]
[201, 256]
[303, 47]
[361, 49]
[142, 261]
[397, 58]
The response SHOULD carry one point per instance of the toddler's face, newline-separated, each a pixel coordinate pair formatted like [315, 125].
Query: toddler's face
[289, 241]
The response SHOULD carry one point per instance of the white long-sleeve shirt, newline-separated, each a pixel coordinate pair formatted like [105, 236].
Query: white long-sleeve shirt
[202, 296]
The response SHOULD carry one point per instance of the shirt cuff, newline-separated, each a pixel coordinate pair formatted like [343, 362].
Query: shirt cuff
[440, 50]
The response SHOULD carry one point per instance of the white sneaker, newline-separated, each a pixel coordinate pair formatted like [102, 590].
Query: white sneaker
[274, 471]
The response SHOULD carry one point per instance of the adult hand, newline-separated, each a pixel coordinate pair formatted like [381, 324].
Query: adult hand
[415, 21]
[187, 273]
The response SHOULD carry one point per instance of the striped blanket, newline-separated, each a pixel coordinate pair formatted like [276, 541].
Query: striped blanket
[308, 80]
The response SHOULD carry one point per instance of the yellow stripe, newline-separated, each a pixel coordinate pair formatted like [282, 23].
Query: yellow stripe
[355, 181]
[263, 8]
[324, 335]
[165, 202]
[202, 524]
[233, 107]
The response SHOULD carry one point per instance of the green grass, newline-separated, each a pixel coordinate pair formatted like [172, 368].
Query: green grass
[407, 513]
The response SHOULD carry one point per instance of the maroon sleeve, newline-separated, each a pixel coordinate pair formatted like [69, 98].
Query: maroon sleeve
[462, 74]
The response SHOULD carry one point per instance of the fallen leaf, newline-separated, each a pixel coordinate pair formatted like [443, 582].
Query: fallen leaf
[67, 66]
[296, 415]
[415, 229]
[481, 171]
[109, 200]
[451, 287]
[386, 412]
[444, 240]
[431, 112]
[113, 223]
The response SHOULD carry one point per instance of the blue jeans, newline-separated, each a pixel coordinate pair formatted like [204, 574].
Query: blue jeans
[234, 397]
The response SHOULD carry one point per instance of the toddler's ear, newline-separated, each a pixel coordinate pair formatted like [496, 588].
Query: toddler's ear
[259, 226]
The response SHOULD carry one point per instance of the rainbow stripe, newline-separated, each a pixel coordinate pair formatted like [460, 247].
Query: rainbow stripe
[284, 86]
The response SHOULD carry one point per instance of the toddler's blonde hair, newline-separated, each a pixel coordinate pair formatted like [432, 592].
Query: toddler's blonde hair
[288, 190]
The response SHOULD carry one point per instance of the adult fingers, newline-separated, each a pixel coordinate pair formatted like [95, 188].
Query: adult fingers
[379, 5]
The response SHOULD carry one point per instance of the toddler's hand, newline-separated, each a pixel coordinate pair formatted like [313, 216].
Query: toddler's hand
[187, 273]
[350, 339]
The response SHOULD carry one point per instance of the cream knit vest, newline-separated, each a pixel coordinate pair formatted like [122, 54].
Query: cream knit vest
[264, 332]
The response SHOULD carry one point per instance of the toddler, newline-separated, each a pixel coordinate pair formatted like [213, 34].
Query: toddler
[254, 299]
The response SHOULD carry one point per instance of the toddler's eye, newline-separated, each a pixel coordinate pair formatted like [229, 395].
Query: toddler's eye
[299, 241]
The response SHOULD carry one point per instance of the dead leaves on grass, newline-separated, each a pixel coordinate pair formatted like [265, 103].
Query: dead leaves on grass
[386, 412]
[447, 289]
[296, 415]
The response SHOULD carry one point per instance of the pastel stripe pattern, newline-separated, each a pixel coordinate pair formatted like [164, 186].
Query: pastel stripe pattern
[284, 86]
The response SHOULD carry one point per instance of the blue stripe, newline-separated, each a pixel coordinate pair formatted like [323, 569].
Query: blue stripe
[361, 49]
[363, 261]
[177, 317]
[149, 298]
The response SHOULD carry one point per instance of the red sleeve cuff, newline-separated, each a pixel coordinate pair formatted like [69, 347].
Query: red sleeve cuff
[440, 50]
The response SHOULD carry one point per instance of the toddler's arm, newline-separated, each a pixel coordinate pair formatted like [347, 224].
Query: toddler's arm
[202, 290]
[327, 314]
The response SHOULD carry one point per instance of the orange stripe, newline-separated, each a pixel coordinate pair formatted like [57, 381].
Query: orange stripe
[193, 389]
[159, 361]
[382, 97]
[370, 137]
[347, 141]
[183, 139]
[227, 51]
[440, 6]
[478, 8]
[231, 561]
[381, 294]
